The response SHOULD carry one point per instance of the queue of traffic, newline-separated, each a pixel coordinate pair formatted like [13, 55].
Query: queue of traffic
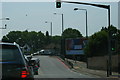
[15, 64]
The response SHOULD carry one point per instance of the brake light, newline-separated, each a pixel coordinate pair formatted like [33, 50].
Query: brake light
[36, 66]
[24, 74]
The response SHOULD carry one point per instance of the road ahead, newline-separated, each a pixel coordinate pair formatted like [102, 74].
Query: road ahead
[52, 67]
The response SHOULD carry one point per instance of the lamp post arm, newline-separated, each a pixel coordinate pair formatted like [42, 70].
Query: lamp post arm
[96, 5]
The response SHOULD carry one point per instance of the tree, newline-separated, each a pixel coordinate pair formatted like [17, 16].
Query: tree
[98, 42]
[118, 42]
[5, 39]
[35, 40]
[56, 39]
[47, 33]
[25, 37]
[40, 40]
[12, 36]
[71, 33]
[47, 38]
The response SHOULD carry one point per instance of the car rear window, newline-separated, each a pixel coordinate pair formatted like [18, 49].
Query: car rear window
[8, 52]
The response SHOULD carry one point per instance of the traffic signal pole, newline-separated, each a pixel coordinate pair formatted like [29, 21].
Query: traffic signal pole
[109, 45]
[109, 72]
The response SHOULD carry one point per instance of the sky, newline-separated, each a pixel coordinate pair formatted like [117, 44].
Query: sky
[55, 0]
[119, 15]
[31, 16]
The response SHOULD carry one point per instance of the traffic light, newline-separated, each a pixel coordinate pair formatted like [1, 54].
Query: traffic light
[58, 4]
[113, 47]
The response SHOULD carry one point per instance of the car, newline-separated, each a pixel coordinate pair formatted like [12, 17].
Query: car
[36, 53]
[36, 64]
[46, 52]
[37, 60]
[13, 62]
[29, 57]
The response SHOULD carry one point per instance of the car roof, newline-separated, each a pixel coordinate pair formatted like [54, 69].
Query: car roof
[8, 43]
[34, 59]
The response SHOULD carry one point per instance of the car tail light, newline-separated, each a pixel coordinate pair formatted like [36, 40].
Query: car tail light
[24, 74]
[36, 66]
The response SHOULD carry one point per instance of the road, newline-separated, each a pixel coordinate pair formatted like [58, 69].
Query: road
[52, 67]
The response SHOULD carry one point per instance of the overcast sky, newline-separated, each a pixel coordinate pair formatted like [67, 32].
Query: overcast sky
[31, 16]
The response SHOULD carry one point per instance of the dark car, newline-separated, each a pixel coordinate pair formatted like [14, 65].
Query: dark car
[36, 64]
[13, 62]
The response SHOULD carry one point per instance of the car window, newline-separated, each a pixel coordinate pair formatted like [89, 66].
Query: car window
[8, 53]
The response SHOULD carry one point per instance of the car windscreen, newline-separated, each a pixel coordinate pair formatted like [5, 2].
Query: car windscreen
[8, 53]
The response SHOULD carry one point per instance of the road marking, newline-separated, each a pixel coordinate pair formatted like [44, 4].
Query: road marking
[63, 63]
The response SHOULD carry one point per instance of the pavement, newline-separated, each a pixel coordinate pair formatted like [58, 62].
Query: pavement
[79, 66]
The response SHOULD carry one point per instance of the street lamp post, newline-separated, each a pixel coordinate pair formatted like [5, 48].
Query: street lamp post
[62, 24]
[50, 25]
[86, 26]
[62, 38]
[86, 20]
[62, 21]
[109, 72]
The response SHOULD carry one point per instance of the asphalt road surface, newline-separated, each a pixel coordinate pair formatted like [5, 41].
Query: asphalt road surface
[52, 67]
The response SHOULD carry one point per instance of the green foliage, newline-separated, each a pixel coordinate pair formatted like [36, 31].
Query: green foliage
[47, 33]
[118, 42]
[56, 39]
[47, 38]
[71, 33]
[98, 42]
[112, 29]
[12, 36]
[35, 40]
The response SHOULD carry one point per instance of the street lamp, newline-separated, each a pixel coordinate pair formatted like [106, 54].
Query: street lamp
[4, 27]
[50, 25]
[62, 21]
[5, 24]
[62, 38]
[86, 20]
